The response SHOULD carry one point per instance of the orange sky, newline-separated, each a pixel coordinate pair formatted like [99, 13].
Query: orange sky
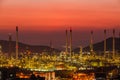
[57, 14]
[40, 21]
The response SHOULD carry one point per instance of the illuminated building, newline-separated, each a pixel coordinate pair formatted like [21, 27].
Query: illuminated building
[83, 76]
[47, 75]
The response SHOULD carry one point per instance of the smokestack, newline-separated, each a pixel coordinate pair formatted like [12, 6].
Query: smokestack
[113, 43]
[119, 34]
[81, 50]
[66, 42]
[119, 40]
[10, 45]
[91, 43]
[70, 43]
[51, 46]
[104, 42]
[16, 42]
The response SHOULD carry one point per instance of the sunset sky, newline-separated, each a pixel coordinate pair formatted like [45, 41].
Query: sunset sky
[42, 20]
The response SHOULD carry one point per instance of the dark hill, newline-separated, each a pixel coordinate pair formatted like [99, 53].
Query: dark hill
[10, 46]
[100, 45]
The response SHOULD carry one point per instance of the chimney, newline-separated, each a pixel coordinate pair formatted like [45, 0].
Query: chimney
[16, 42]
[113, 43]
[91, 43]
[71, 43]
[105, 43]
[66, 42]
[10, 44]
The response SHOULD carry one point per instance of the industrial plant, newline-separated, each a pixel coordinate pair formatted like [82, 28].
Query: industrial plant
[23, 62]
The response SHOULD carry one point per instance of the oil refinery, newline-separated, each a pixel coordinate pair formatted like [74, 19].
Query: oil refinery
[65, 65]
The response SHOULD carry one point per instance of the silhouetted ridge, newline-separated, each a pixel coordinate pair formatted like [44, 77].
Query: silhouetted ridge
[100, 45]
[23, 47]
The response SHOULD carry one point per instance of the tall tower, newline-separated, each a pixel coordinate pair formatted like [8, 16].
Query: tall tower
[81, 50]
[119, 40]
[10, 44]
[0, 49]
[119, 34]
[16, 42]
[51, 47]
[105, 43]
[113, 43]
[91, 43]
[70, 43]
[66, 42]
